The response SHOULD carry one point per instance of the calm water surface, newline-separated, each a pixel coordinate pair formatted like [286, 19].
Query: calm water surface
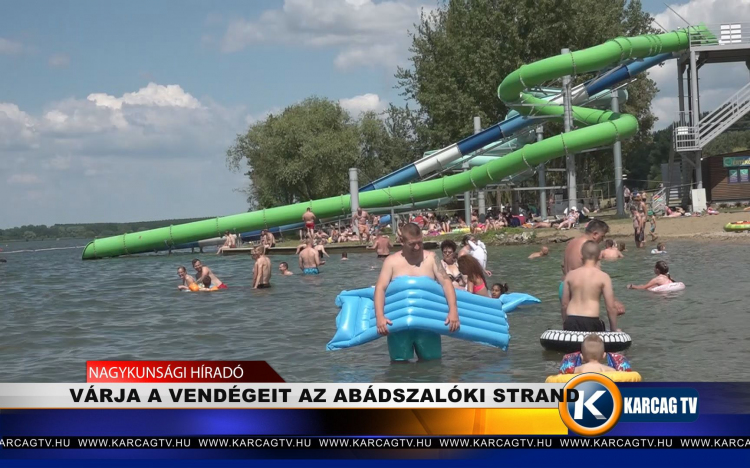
[59, 311]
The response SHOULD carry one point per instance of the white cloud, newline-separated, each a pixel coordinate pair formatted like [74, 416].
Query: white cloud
[364, 32]
[17, 128]
[8, 47]
[717, 81]
[58, 163]
[59, 61]
[363, 103]
[23, 179]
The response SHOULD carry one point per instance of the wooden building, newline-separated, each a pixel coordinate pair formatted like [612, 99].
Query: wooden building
[726, 177]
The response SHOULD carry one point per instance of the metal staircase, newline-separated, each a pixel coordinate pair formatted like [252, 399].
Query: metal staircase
[691, 138]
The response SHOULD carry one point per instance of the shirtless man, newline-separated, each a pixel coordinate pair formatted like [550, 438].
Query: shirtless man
[309, 219]
[382, 246]
[413, 260]
[542, 253]
[230, 242]
[362, 218]
[262, 269]
[582, 290]
[611, 252]
[270, 240]
[284, 269]
[202, 271]
[309, 260]
[595, 231]
[187, 280]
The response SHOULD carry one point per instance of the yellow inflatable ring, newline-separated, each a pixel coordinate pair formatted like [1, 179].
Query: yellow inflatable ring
[614, 376]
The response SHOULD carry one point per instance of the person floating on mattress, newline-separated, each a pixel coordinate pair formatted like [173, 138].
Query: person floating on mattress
[542, 253]
[661, 269]
[660, 249]
[413, 260]
[309, 259]
[592, 355]
[476, 283]
[498, 289]
[582, 290]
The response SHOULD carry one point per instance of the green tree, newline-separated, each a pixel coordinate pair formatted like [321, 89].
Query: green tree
[305, 152]
[463, 50]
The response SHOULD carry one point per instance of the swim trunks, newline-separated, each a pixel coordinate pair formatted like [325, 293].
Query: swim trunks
[222, 286]
[382, 256]
[402, 345]
[363, 229]
[310, 225]
[560, 292]
[264, 286]
[584, 324]
[310, 271]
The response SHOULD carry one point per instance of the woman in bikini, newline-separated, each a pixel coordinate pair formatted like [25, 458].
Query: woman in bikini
[475, 280]
[449, 248]
[661, 270]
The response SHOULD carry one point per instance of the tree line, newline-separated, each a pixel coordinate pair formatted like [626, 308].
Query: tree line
[83, 231]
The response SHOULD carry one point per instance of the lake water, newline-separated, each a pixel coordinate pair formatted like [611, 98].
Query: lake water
[58, 312]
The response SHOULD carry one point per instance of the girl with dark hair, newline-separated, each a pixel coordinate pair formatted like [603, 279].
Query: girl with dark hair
[474, 273]
[661, 269]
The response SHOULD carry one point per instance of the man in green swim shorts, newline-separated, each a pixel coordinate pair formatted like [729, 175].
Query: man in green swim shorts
[309, 260]
[413, 260]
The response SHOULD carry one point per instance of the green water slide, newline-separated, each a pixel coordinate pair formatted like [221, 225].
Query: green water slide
[601, 128]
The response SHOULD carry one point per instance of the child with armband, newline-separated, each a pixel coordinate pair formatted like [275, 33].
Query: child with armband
[592, 355]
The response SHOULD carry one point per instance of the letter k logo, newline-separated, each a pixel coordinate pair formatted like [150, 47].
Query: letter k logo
[589, 404]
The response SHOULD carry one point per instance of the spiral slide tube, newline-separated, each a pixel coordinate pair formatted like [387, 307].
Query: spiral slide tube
[604, 128]
[595, 93]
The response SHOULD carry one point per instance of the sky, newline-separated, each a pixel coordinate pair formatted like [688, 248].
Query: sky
[123, 111]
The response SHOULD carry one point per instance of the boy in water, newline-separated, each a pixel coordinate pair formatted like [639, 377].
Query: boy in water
[582, 290]
[592, 355]
[542, 253]
[262, 269]
[284, 269]
[611, 252]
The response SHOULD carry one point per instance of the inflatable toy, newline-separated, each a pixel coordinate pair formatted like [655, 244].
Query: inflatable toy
[657, 252]
[570, 341]
[616, 361]
[669, 287]
[613, 376]
[194, 287]
[418, 309]
[737, 226]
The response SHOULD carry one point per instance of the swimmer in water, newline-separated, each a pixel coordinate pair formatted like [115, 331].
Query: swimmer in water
[205, 286]
[187, 280]
[448, 247]
[582, 290]
[592, 355]
[498, 290]
[611, 252]
[309, 259]
[476, 283]
[344, 256]
[621, 246]
[382, 246]
[413, 260]
[661, 270]
[542, 253]
[202, 271]
[284, 269]
[660, 248]
[262, 269]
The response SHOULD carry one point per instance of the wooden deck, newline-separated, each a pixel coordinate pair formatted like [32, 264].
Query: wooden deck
[330, 248]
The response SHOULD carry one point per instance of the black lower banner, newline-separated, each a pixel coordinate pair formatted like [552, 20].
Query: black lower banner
[354, 443]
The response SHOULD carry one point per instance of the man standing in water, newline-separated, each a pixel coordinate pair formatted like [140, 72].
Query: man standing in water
[202, 271]
[309, 219]
[362, 217]
[309, 260]
[262, 269]
[413, 260]
[382, 246]
[582, 290]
